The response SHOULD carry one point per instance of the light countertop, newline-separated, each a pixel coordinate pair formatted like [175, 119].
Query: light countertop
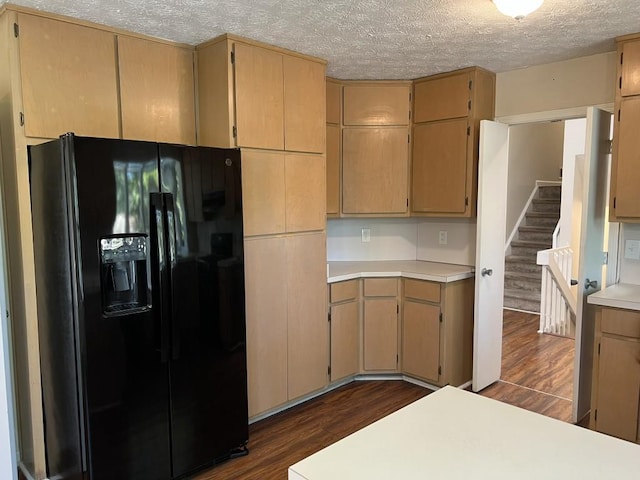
[620, 295]
[455, 434]
[435, 272]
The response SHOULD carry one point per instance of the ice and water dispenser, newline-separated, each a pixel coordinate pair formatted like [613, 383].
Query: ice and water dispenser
[123, 274]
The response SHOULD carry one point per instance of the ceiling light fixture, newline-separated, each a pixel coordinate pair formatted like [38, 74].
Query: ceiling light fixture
[517, 9]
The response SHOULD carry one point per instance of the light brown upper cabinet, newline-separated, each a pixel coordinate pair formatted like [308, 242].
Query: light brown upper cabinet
[69, 80]
[156, 91]
[377, 104]
[333, 169]
[254, 95]
[305, 192]
[334, 101]
[448, 109]
[375, 170]
[624, 198]
[629, 82]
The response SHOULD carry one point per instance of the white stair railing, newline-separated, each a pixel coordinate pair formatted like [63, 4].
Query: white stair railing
[557, 301]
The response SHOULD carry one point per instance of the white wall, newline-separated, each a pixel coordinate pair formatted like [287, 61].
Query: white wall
[574, 140]
[402, 239]
[629, 269]
[535, 153]
[461, 241]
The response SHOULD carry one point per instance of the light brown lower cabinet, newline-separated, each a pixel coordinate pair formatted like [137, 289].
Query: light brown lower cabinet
[615, 399]
[437, 331]
[380, 325]
[345, 329]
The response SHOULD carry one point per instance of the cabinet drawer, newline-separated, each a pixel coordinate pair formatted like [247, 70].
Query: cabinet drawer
[380, 287]
[621, 322]
[342, 291]
[422, 290]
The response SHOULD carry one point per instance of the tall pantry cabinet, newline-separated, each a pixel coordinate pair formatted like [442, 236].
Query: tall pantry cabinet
[271, 103]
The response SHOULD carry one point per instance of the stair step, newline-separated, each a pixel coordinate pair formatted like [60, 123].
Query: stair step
[550, 191]
[527, 275]
[529, 248]
[542, 218]
[517, 263]
[522, 300]
[545, 205]
[522, 281]
[535, 233]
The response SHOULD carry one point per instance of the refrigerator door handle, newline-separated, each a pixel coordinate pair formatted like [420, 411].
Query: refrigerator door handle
[170, 217]
[158, 274]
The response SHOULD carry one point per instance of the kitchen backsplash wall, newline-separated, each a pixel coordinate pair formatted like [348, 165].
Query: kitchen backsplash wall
[629, 267]
[460, 246]
[401, 239]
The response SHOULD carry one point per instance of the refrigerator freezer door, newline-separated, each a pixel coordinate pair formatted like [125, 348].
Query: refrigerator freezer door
[126, 381]
[208, 367]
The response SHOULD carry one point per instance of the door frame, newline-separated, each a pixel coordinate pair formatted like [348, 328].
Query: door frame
[559, 115]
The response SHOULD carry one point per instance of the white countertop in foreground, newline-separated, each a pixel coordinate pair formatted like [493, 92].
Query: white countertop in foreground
[455, 434]
[620, 295]
[435, 272]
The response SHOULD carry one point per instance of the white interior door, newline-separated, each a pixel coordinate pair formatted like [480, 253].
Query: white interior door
[490, 238]
[591, 255]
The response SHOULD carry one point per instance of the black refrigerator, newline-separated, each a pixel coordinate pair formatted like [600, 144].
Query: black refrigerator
[141, 314]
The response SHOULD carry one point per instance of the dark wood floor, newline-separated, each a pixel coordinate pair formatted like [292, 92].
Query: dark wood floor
[537, 369]
[537, 375]
[284, 439]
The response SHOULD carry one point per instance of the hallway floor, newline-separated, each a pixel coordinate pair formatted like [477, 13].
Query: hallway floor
[537, 369]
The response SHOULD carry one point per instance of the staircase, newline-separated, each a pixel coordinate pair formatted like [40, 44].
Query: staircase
[523, 278]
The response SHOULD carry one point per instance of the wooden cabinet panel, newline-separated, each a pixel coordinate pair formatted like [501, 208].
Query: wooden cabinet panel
[343, 291]
[263, 192]
[69, 81]
[308, 329]
[266, 304]
[156, 91]
[618, 388]
[376, 104]
[442, 98]
[421, 340]
[259, 86]
[334, 101]
[422, 290]
[630, 83]
[627, 160]
[333, 169]
[380, 334]
[345, 340]
[439, 172]
[305, 183]
[304, 105]
[380, 287]
[374, 170]
[621, 322]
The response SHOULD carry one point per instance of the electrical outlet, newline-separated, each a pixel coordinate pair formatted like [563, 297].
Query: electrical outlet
[632, 249]
[366, 235]
[442, 237]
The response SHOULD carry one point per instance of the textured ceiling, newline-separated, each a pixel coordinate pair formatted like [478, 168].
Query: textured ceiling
[378, 39]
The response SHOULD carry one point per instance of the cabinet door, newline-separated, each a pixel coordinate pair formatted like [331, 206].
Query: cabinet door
[630, 69]
[618, 388]
[68, 79]
[421, 340]
[263, 192]
[308, 329]
[374, 170]
[305, 192]
[442, 98]
[439, 172]
[627, 193]
[156, 91]
[259, 86]
[376, 105]
[266, 303]
[380, 334]
[333, 102]
[304, 105]
[345, 340]
[333, 169]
